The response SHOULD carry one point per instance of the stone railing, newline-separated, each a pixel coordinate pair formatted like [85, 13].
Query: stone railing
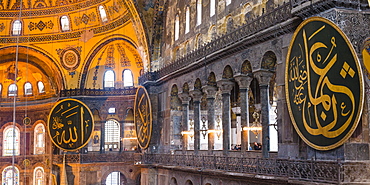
[98, 92]
[24, 160]
[336, 172]
[96, 158]
[307, 8]
[232, 39]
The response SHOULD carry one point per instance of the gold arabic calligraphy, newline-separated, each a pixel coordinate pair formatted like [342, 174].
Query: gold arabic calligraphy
[318, 99]
[143, 119]
[68, 125]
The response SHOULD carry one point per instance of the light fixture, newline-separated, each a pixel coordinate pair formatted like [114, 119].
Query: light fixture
[218, 129]
[189, 132]
[256, 127]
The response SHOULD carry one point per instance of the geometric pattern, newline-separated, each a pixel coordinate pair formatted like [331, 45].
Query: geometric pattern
[40, 25]
[139, 62]
[109, 63]
[347, 70]
[85, 19]
[2, 27]
[124, 59]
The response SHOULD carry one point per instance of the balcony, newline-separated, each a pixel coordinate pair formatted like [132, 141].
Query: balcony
[124, 157]
[336, 172]
[24, 160]
[98, 92]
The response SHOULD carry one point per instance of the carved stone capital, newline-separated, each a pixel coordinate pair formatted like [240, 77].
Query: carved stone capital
[196, 94]
[225, 86]
[210, 91]
[244, 81]
[185, 97]
[263, 77]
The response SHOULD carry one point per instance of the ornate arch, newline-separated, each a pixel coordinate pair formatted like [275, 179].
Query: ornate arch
[269, 61]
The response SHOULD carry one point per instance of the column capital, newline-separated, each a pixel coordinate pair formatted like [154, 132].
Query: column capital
[210, 91]
[196, 94]
[244, 81]
[185, 97]
[263, 77]
[225, 86]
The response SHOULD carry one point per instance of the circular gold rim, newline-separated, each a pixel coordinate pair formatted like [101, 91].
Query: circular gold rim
[151, 116]
[92, 121]
[71, 66]
[349, 44]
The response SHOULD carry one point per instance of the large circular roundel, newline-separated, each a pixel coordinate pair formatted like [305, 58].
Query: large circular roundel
[324, 85]
[143, 117]
[70, 124]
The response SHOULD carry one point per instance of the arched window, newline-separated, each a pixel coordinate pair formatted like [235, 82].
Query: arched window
[27, 88]
[128, 79]
[103, 14]
[115, 178]
[64, 23]
[109, 78]
[39, 139]
[11, 141]
[17, 27]
[212, 7]
[41, 87]
[177, 27]
[187, 20]
[199, 12]
[10, 176]
[38, 176]
[112, 135]
[12, 91]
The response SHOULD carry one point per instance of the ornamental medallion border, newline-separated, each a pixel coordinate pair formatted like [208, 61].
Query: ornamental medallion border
[150, 124]
[92, 123]
[361, 83]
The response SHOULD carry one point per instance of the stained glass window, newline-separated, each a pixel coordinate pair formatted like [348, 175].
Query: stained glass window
[113, 178]
[103, 14]
[38, 176]
[17, 27]
[10, 176]
[177, 27]
[64, 23]
[187, 20]
[199, 12]
[12, 91]
[112, 135]
[109, 79]
[11, 141]
[39, 139]
[128, 79]
[28, 88]
[212, 7]
[41, 87]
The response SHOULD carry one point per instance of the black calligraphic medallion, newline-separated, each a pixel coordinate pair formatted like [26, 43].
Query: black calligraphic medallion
[143, 117]
[70, 124]
[324, 85]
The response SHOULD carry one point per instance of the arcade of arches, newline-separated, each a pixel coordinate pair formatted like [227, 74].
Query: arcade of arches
[215, 74]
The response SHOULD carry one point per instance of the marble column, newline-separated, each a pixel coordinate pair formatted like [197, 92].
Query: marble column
[211, 93]
[264, 78]
[102, 137]
[197, 97]
[185, 97]
[226, 86]
[244, 82]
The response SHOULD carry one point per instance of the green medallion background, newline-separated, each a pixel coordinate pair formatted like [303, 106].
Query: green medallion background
[70, 124]
[324, 85]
